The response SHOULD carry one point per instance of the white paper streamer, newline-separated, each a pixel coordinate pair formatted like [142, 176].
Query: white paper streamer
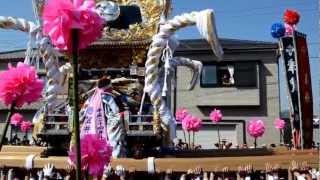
[29, 161]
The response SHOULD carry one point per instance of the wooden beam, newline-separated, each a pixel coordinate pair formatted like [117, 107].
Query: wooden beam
[15, 156]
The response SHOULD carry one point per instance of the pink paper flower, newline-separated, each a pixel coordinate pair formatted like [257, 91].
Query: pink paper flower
[60, 16]
[279, 124]
[25, 126]
[191, 123]
[289, 29]
[16, 119]
[95, 153]
[216, 116]
[256, 128]
[291, 16]
[181, 114]
[20, 85]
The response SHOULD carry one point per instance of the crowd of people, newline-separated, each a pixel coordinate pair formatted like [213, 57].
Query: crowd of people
[296, 171]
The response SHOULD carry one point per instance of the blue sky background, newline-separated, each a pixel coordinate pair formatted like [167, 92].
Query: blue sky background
[237, 19]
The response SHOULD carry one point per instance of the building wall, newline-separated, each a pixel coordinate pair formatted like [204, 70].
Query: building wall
[316, 134]
[28, 115]
[238, 105]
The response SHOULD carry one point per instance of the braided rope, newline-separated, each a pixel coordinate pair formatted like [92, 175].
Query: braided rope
[48, 53]
[154, 80]
[16, 24]
[54, 72]
[152, 87]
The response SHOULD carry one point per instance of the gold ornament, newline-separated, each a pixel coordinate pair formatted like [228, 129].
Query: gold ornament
[151, 10]
[156, 122]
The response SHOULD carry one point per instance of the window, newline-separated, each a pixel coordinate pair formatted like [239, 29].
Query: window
[217, 75]
[246, 74]
[209, 75]
[242, 74]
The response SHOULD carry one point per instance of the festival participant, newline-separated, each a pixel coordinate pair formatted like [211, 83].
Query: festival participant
[115, 124]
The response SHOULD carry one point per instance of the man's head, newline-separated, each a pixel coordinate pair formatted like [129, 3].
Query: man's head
[104, 82]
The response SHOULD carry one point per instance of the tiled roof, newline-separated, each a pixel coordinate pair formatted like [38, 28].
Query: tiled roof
[227, 44]
[187, 44]
[16, 54]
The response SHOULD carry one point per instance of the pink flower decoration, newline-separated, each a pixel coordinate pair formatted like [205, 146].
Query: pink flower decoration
[291, 16]
[279, 124]
[25, 126]
[60, 16]
[20, 85]
[16, 119]
[95, 153]
[181, 114]
[191, 123]
[289, 29]
[216, 115]
[256, 128]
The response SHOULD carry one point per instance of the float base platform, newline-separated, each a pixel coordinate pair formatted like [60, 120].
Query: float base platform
[15, 156]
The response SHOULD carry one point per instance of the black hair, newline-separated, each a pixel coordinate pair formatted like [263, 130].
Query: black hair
[103, 82]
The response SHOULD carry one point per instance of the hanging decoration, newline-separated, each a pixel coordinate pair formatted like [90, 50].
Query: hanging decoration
[291, 17]
[278, 30]
[108, 10]
[60, 16]
[94, 119]
[95, 153]
[289, 29]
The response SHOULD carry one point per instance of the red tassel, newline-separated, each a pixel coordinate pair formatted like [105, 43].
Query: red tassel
[291, 17]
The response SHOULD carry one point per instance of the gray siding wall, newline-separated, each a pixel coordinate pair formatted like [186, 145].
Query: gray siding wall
[236, 103]
[28, 115]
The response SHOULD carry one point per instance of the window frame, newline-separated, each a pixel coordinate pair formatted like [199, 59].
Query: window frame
[226, 63]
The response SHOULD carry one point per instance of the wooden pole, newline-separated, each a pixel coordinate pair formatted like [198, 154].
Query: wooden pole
[255, 143]
[4, 131]
[193, 143]
[219, 141]
[75, 44]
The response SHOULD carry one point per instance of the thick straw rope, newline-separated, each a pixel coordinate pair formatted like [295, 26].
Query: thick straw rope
[55, 73]
[160, 41]
[47, 51]
[16, 24]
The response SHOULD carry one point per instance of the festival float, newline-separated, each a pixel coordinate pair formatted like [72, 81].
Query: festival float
[109, 71]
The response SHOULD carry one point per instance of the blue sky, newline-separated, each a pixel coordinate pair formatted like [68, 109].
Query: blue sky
[237, 19]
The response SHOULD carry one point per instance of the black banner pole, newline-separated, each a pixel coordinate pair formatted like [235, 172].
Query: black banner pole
[75, 44]
[298, 90]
